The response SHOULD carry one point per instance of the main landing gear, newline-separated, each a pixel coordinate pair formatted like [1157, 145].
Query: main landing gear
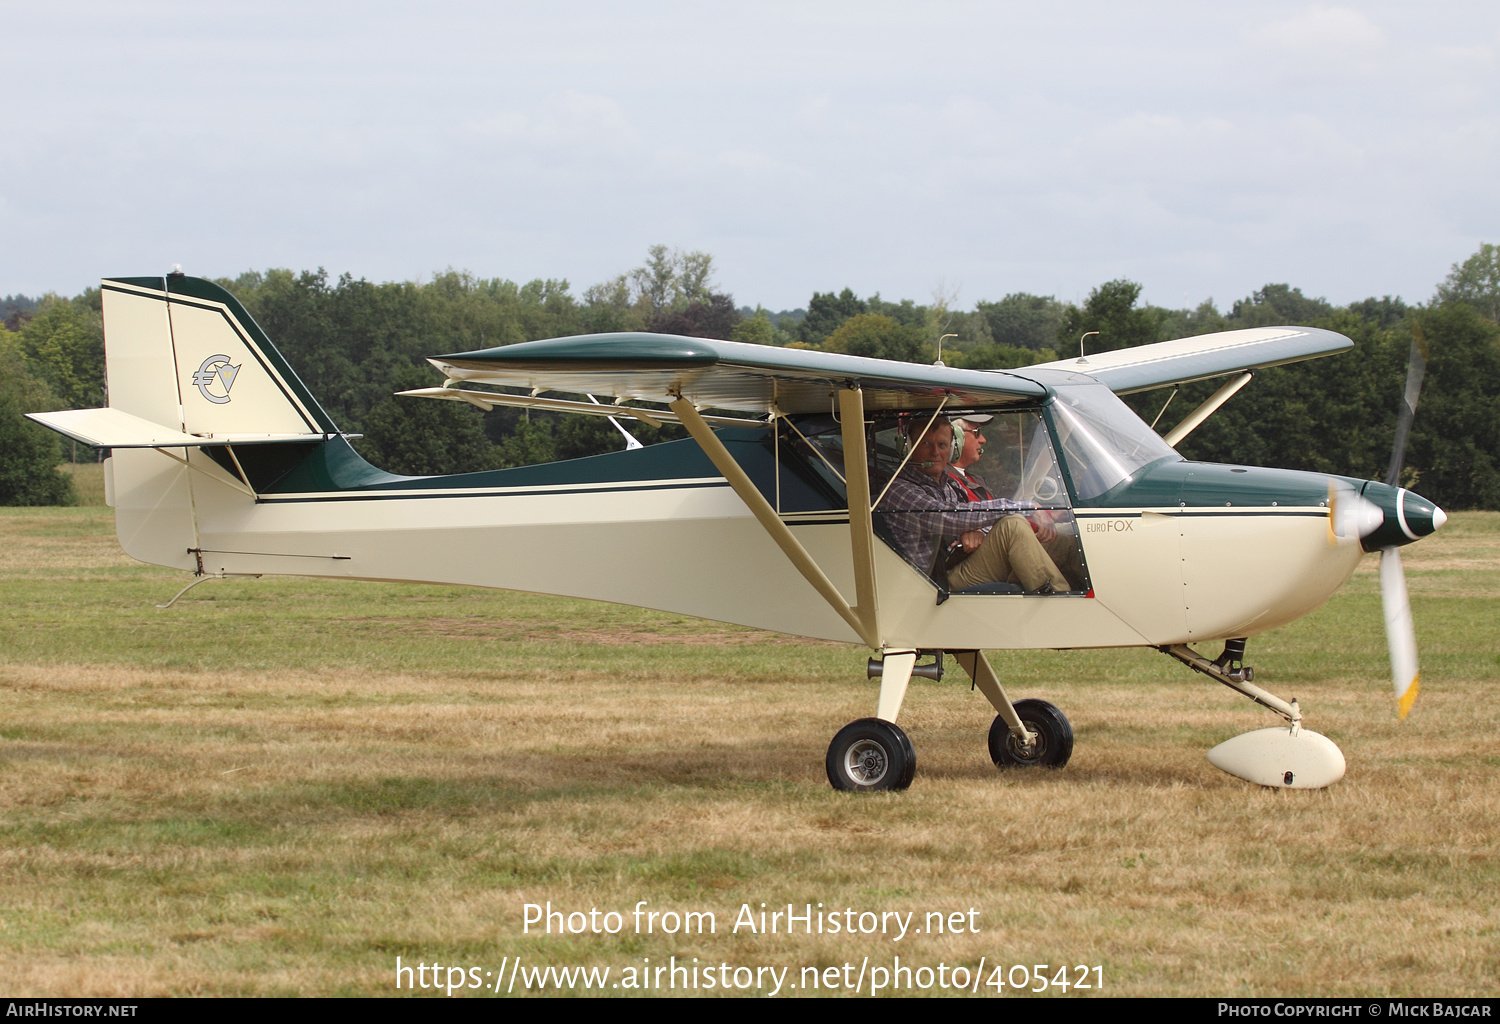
[1051, 748]
[874, 753]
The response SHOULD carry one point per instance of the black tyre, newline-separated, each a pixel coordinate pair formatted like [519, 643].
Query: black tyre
[1054, 738]
[871, 754]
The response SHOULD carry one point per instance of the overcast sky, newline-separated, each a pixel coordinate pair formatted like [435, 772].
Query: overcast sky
[977, 148]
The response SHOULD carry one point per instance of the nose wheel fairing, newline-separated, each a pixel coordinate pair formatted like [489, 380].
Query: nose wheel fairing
[1281, 758]
[1285, 757]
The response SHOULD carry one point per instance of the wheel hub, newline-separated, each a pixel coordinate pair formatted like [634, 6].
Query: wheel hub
[867, 762]
[1028, 752]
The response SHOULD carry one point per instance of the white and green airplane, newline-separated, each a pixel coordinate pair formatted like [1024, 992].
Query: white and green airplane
[779, 512]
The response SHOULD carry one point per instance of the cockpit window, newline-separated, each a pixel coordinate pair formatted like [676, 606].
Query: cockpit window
[1105, 444]
[971, 498]
[974, 500]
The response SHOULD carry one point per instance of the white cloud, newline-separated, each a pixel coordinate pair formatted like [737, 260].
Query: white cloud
[1335, 34]
[807, 145]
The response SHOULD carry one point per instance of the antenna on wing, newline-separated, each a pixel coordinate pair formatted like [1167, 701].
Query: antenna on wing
[1081, 357]
[939, 360]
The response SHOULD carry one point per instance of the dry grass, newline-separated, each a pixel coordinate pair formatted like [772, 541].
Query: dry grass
[279, 787]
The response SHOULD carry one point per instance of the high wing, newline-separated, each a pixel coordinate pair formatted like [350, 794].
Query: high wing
[761, 380]
[1208, 355]
[728, 375]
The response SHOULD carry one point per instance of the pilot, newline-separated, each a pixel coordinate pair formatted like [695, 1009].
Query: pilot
[931, 511]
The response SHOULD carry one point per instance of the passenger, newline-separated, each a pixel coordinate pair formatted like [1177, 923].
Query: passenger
[1061, 547]
[972, 425]
[932, 512]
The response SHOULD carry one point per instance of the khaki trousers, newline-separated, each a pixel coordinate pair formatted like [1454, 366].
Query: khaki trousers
[1010, 554]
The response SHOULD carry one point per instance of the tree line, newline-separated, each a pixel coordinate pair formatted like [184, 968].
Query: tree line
[355, 343]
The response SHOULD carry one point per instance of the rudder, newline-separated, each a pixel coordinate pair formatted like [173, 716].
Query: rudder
[182, 352]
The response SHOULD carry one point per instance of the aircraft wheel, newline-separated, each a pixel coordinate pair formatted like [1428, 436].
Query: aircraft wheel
[1054, 738]
[871, 754]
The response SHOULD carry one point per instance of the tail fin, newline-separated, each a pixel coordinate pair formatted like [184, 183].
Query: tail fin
[183, 353]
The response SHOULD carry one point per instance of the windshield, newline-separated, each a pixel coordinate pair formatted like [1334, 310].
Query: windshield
[1105, 444]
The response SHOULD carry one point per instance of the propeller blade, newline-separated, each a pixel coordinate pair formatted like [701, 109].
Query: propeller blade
[1399, 634]
[1416, 368]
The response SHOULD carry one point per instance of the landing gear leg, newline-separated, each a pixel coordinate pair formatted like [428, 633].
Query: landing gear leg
[1030, 733]
[875, 753]
[1230, 669]
[895, 674]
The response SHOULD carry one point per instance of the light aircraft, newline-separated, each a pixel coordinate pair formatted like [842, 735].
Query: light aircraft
[777, 512]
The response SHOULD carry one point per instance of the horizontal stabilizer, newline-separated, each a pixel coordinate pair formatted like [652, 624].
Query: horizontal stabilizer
[1208, 355]
[114, 428]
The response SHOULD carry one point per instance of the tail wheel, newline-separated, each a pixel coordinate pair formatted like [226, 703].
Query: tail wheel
[1054, 738]
[871, 754]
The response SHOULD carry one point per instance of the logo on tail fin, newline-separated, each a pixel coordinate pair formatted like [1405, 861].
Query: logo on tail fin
[215, 372]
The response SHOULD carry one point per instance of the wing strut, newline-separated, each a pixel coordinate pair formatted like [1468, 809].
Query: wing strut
[862, 619]
[861, 520]
[1207, 409]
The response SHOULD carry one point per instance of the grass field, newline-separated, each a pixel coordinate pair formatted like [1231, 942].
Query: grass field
[280, 786]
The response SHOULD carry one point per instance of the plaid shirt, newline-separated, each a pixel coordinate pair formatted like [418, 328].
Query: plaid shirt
[922, 514]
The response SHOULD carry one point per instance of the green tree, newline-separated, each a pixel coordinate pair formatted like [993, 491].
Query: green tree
[1277, 305]
[1021, 320]
[826, 313]
[421, 437]
[15, 310]
[29, 453]
[994, 356]
[1453, 456]
[528, 444]
[672, 279]
[1475, 281]
[609, 307]
[1187, 323]
[878, 337]
[1386, 312]
[755, 330]
[905, 312]
[1112, 311]
[577, 437]
[64, 343]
